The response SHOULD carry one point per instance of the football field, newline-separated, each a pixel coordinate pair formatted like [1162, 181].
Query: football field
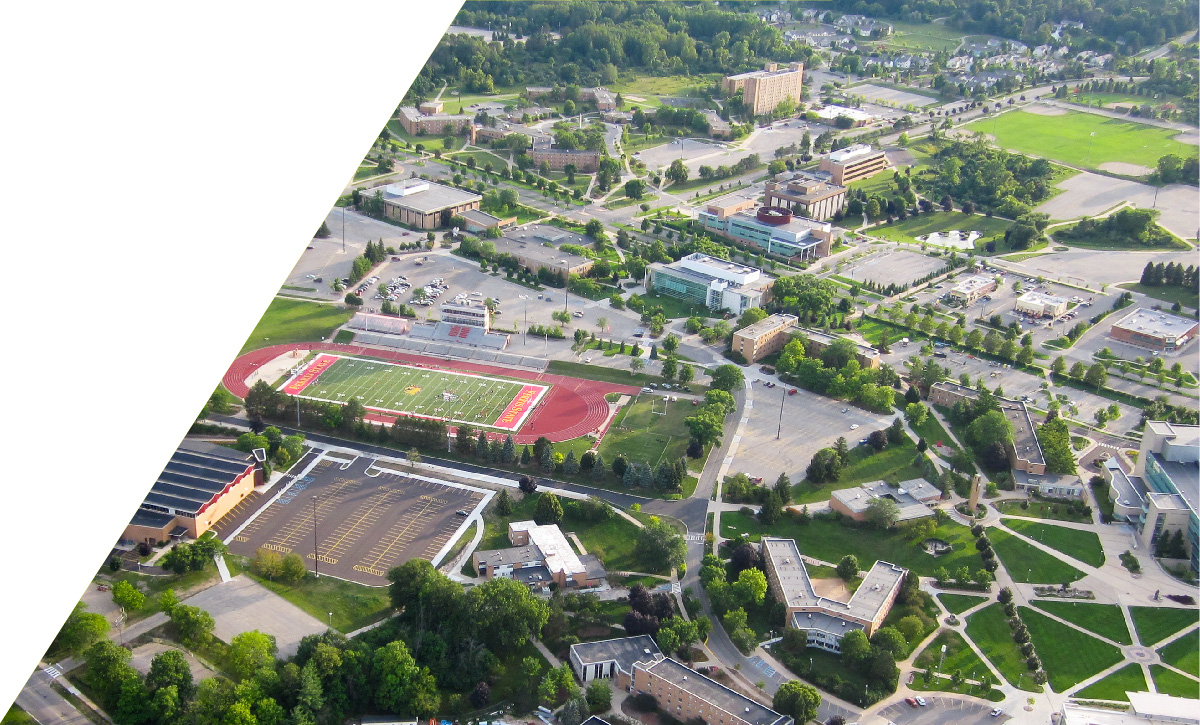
[417, 391]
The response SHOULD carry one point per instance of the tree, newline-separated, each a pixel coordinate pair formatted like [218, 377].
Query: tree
[878, 439]
[505, 613]
[783, 488]
[916, 414]
[292, 568]
[771, 511]
[750, 587]
[797, 700]
[686, 373]
[400, 685]
[882, 512]
[193, 624]
[598, 696]
[548, 510]
[636, 365]
[728, 378]
[169, 668]
[1097, 375]
[504, 503]
[635, 188]
[249, 651]
[889, 639]
[847, 568]
[825, 466]
[677, 172]
[659, 546]
[127, 596]
[856, 648]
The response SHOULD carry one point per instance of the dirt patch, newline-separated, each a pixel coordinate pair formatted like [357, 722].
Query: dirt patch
[1188, 138]
[831, 589]
[1040, 109]
[1120, 167]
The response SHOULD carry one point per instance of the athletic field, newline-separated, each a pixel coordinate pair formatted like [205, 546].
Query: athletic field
[417, 391]
[1069, 138]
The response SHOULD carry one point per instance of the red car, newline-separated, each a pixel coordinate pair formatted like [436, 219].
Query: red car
[912, 701]
[793, 391]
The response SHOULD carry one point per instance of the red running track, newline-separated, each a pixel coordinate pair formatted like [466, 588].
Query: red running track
[573, 407]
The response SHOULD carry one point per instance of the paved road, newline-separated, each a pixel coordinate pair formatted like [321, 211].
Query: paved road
[45, 705]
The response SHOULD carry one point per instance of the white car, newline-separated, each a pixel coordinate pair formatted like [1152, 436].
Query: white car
[854, 426]
[921, 702]
[997, 711]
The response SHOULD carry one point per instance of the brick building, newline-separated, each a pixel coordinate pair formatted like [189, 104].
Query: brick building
[689, 696]
[1154, 330]
[819, 341]
[432, 124]
[199, 485]
[540, 555]
[763, 90]
[763, 337]
[806, 195]
[425, 204]
[612, 658]
[557, 159]
[973, 287]
[1025, 452]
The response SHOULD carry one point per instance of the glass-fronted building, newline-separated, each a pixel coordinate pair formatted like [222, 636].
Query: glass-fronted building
[717, 284]
[1169, 466]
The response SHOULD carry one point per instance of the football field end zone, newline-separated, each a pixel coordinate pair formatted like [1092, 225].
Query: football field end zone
[517, 411]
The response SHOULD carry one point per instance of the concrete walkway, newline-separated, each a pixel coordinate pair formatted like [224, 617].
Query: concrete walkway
[554, 661]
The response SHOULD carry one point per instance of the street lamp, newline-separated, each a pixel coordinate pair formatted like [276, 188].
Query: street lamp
[316, 553]
[331, 620]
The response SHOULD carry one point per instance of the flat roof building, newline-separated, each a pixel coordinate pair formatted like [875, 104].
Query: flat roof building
[828, 620]
[612, 658]
[771, 229]
[833, 112]
[1154, 330]
[1169, 466]
[688, 695]
[717, 284]
[913, 498]
[818, 342]
[415, 122]
[764, 337]
[1025, 452]
[806, 195]
[466, 312]
[1040, 304]
[763, 90]
[537, 549]
[1145, 708]
[425, 204]
[200, 484]
[558, 159]
[480, 221]
[539, 246]
[852, 163]
[972, 288]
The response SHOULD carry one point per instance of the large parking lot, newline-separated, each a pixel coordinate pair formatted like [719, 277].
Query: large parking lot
[325, 259]
[892, 266]
[810, 422]
[362, 517]
[942, 710]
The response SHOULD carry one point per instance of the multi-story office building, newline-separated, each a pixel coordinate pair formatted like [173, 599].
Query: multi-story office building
[763, 337]
[771, 229]
[763, 90]
[827, 620]
[852, 163]
[1169, 468]
[713, 283]
[806, 195]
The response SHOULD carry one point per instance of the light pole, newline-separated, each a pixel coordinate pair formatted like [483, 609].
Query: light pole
[343, 230]
[782, 400]
[316, 553]
[331, 620]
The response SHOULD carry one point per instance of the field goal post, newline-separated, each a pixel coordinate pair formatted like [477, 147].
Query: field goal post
[658, 405]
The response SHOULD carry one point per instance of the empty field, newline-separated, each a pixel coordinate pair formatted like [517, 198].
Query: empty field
[1069, 656]
[1127, 679]
[1105, 620]
[1082, 139]
[1154, 624]
[1028, 564]
[1082, 545]
[295, 321]
[417, 391]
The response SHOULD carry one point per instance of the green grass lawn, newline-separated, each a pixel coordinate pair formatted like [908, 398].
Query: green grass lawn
[620, 202]
[1159, 239]
[1114, 687]
[353, 605]
[1183, 653]
[478, 401]
[933, 433]
[1068, 138]
[1068, 655]
[603, 374]
[1082, 545]
[644, 435]
[612, 540]
[1166, 294]
[481, 159]
[944, 684]
[17, 716]
[1038, 510]
[881, 183]
[152, 586]
[1105, 620]
[290, 320]
[959, 656]
[1027, 564]
[941, 221]
[1103, 99]
[989, 630]
[959, 603]
[1169, 682]
[829, 541]
[1154, 624]
[920, 36]
[894, 463]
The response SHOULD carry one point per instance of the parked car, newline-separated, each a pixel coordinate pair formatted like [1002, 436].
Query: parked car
[912, 701]
[997, 711]
[793, 391]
